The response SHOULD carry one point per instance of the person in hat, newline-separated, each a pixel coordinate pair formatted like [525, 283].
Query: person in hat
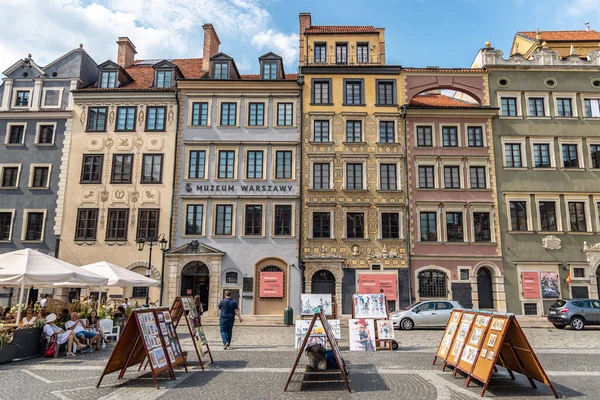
[51, 330]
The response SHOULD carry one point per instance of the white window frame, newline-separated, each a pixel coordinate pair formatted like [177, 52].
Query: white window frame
[574, 107]
[455, 209]
[588, 216]
[557, 211]
[459, 134]
[483, 208]
[434, 141]
[7, 135]
[38, 127]
[263, 231]
[461, 171]
[213, 226]
[426, 162]
[265, 151]
[591, 142]
[400, 222]
[26, 213]
[364, 171]
[365, 221]
[466, 268]
[295, 111]
[585, 276]
[429, 208]
[483, 133]
[550, 141]
[588, 97]
[60, 96]
[320, 117]
[478, 163]
[188, 150]
[31, 176]
[14, 97]
[521, 141]
[500, 95]
[596, 201]
[236, 164]
[292, 223]
[580, 161]
[398, 174]
[545, 96]
[311, 178]
[237, 112]
[247, 102]
[12, 224]
[331, 220]
[274, 151]
[2, 166]
[191, 101]
[387, 119]
[184, 205]
[527, 200]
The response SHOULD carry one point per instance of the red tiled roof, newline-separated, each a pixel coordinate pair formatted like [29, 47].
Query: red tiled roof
[564, 36]
[341, 29]
[256, 77]
[439, 100]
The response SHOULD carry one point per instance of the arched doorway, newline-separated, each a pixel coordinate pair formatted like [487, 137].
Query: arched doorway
[433, 284]
[323, 282]
[195, 280]
[266, 304]
[484, 288]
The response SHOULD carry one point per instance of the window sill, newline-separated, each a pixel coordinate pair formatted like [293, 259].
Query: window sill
[515, 168]
[550, 232]
[320, 190]
[591, 118]
[284, 126]
[254, 237]
[255, 179]
[429, 242]
[283, 180]
[353, 105]
[390, 239]
[353, 143]
[5, 241]
[457, 243]
[155, 130]
[566, 118]
[224, 236]
[580, 233]
[365, 239]
[38, 188]
[595, 169]
[482, 243]
[228, 126]
[225, 179]
[151, 183]
[538, 117]
[116, 240]
[283, 236]
[85, 241]
[427, 189]
[195, 179]
[481, 189]
[44, 144]
[544, 168]
[199, 126]
[573, 169]
[90, 183]
[104, 131]
[389, 190]
[386, 105]
[32, 241]
[120, 183]
[387, 143]
[323, 238]
[9, 187]
[321, 104]
[356, 190]
[521, 232]
[510, 117]
[14, 144]
[125, 130]
[255, 126]
[321, 143]
[193, 236]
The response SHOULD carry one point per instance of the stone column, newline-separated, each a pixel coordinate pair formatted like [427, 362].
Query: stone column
[37, 94]
[71, 102]
[7, 96]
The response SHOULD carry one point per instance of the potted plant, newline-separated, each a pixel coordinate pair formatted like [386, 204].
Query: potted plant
[7, 349]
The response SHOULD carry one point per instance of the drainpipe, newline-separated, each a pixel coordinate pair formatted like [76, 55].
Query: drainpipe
[300, 81]
[402, 109]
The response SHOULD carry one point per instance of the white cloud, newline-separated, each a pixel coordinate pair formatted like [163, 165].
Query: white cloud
[282, 44]
[577, 8]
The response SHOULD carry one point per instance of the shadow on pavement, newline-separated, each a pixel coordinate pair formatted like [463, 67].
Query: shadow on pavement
[332, 380]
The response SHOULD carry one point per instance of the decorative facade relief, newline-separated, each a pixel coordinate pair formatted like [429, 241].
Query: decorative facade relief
[119, 195]
[150, 196]
[94, 144]
[551, 243]
[155, 143]
[124, 143]
[89, 196]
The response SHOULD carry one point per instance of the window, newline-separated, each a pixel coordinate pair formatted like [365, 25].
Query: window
[536, 107]
[121, 168]
[283, 165]
[221, 71]
[592, 108]
[10, 177]
[386, 132]
[91, 171]
[387, 177]
[478, 180]
[197, 164]
[452, 177]
[595, 155]
[322, 131]
[578, 272]
[320, 52]
[424, 136]
[321, 92]
[96, 119]
[353, 93]
[353, 131]
[163, 79]
[45, 134]
[354, 176]
[355, 225]
[426, 178]
[254, 164]
[5, 225]
[541, 155]
[464, 274]
[285, 114]
[570, 156]
[321, 225]
[508, 106]
[139, 292]
[108, 79]
[475, 134]
[481, 227]
[228, 114]
[577, 216]
[376, 267]
[283, 220]
[193, 219]
[548, 216]
[40, 177]
[147, 224]
[125, 119]
[450, 136]
[256, 114]
[231, 277]
[530, 309]
[155, 121]
[512, 155]
[321, 176]
[390, 226]
[224, 221]
[253, 220]
[518, 216]
[34, 226]
[362, 53]
[200, 114]
[269, 70]
[117, 224]
[152, 168]
[16, 134]
[341, 53]
[22, 98]
[428, 226]
[226, 165]
[87, 220]
[563, 107]
[454, 227]
[432, 283]
[385, 93]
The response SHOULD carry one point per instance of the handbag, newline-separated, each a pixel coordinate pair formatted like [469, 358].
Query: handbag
[50, 348]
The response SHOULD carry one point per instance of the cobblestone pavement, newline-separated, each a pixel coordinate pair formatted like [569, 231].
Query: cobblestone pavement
[259, 363]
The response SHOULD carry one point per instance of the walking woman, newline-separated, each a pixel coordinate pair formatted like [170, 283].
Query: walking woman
[228, 310]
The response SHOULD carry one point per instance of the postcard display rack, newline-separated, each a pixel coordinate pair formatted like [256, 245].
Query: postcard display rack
[320, 316]
[186, 308]
[148, 333]
[475, 342]
[389, 343]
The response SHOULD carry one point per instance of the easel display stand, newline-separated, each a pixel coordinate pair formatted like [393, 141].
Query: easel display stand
[389, 343]
[319, 314]
[186, 308]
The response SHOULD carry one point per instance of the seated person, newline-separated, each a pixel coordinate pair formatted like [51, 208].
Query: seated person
[9, 317]
[29, 318]
[120, 312]
[93, 324]
[50, 330]
[76, 325]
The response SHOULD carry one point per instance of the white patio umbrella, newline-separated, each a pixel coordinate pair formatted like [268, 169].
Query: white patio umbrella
[31, 267]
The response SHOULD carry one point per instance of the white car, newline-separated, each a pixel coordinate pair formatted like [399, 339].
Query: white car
[424, 314]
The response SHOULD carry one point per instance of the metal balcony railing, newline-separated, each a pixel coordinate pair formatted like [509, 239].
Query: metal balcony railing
[352, 60]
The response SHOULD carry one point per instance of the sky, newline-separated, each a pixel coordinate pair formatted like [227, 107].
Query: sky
[419, 33]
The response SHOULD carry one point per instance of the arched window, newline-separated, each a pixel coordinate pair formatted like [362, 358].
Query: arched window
[432, 283]
[231, 277]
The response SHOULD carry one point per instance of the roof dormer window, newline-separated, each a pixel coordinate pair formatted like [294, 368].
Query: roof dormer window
[163, 79]
[269, 70]
[221, 71]
[108, 79]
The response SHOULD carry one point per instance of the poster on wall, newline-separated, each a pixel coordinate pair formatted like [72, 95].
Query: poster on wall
[378, 283]
[362, 334]
[550, 288]
[271, 284]
[369, 306]
[531, 285]
[308, 302]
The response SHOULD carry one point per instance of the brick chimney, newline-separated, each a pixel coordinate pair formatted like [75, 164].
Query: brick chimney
[211, 45]
[305, 23]
[126, 54]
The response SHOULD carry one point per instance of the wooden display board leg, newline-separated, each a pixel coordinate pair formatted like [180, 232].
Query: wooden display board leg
[299, 355]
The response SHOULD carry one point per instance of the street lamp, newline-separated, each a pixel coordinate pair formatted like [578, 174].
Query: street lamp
[151, 242]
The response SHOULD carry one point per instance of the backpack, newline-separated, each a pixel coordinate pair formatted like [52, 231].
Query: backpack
[50, 347]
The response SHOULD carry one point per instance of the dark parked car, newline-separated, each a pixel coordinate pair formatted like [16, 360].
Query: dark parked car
[577, 312]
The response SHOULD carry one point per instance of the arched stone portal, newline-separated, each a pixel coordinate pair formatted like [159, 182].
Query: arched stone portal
[195, 281]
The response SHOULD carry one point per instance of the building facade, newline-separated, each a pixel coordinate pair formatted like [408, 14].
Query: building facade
[353, 186]
[455, 236]
[35, 121]
[236, 185]
[547, 156]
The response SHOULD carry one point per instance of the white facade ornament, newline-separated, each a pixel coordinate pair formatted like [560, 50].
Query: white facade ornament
[551, 243]
[384, 254]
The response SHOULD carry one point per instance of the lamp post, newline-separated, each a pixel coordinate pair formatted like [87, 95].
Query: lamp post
[151, 242]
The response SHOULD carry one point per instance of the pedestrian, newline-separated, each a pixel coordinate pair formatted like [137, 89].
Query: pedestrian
[44, 301]
[199, 311]
[126, 303]
[228, 310]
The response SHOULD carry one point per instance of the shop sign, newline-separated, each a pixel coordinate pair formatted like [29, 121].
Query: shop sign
[378, 283]
[241, 189]
[531, 285]
[271, 284]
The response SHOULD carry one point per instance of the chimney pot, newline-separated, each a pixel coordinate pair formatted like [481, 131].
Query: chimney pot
[211, 45]
[126, 53]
